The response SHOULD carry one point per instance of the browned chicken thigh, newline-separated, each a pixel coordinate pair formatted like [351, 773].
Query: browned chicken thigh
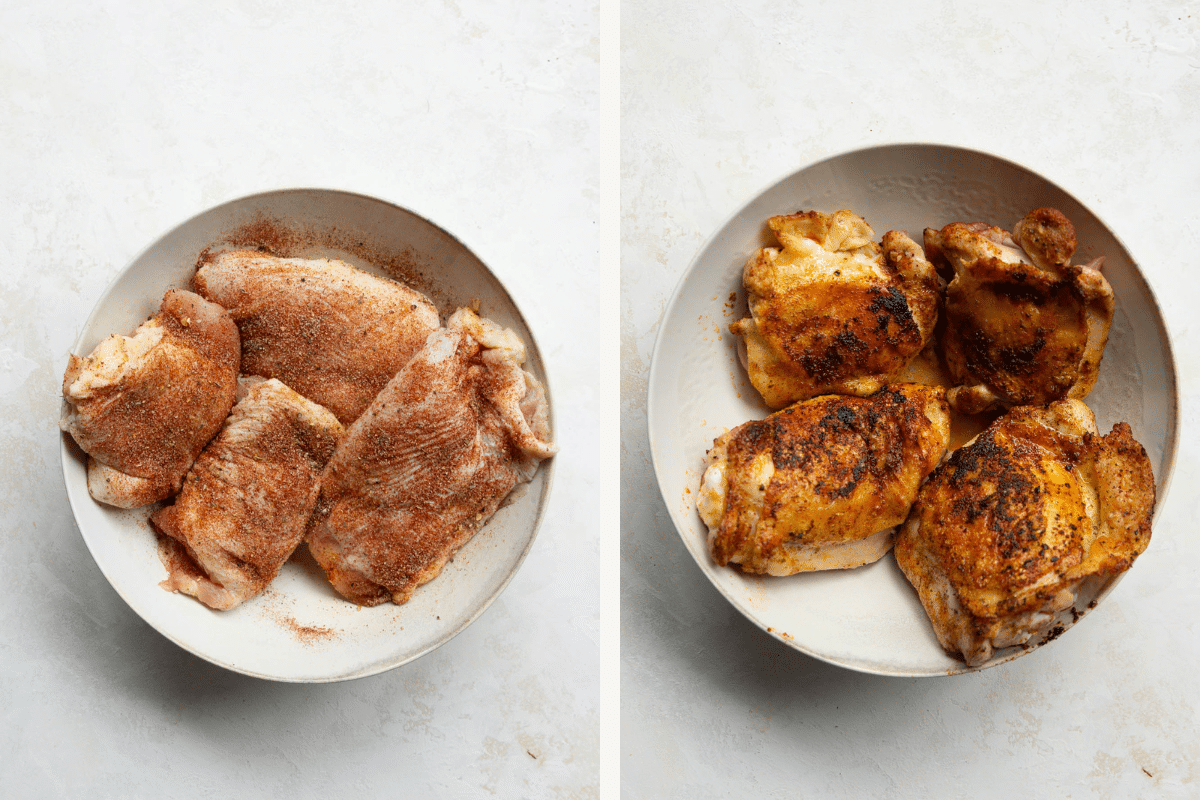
[429, 462]
[821, 484]
[247, 500]
[831, 311]
[1006, 533]
[143, 406]
[334, 333]
[1024, 326]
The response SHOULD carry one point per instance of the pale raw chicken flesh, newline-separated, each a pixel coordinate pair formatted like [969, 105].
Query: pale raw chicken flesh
[247, 500]
[429, 462]
[1012, 528]
[143, 406]
[823, 483]
[334, 333]
[832, 311]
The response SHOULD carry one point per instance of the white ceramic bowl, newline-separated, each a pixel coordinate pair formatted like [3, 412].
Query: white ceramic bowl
[300, 630]
[870, 619]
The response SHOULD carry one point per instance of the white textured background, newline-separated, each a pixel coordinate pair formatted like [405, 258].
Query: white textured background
[719, 100]
[117, 123]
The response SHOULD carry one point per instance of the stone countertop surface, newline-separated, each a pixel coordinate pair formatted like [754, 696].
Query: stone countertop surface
[718, 101]
[118, 125]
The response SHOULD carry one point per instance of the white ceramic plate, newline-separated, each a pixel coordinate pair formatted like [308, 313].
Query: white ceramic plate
[300, 630]
[870, 619]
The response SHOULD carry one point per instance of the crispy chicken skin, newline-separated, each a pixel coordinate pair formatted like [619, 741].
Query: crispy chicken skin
[143, 406]
[429, 462]
[334, 333]
[831, 311]
[1024, 326]
[1007, 531]
[247, 499]
[821, 484]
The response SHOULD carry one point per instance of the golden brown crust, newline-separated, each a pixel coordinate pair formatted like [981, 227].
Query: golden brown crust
[1047, 236]
[838, 469]
[832, 311]
[1023, 325]
[1127, 496]
[1003, 512]
[1004, 531]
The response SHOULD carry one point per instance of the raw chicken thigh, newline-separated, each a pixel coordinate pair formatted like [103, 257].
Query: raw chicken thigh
[143, 406]
[247, 499]
[821, 484]
[832, 311]
[1024, 326]
[334, 333]
[429, 462]
[1008, 531]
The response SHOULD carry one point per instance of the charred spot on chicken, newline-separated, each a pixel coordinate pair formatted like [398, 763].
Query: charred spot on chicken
[831, 310]
[820, 484]
[1024, 326]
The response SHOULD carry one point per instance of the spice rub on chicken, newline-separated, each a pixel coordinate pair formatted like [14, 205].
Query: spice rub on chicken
[1006, 533]
[821, 484]
[247, 500]
[832, 311]
[1024, 326]
[334, 333]
[429, 462]
[143, 406]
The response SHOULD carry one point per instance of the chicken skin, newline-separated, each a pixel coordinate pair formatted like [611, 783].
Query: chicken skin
[247, 499]
[831, 311]
[821, 484]
[333, 333]
[143, 406]
[1024, 326]
[429, 462]
[1008, 532]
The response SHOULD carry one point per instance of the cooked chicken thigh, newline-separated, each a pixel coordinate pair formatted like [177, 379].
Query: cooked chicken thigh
[143, 406]
[832, 311]
[248, 498]
[1024, 326]
[429, 462]
[334, 333]
[821, 484]
[1007, 532]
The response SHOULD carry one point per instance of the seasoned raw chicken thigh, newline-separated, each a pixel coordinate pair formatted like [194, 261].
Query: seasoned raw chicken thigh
[821, 484]
[1007, 532]
[247, 500]
[1024, 326]
[831, 311]
[429, 461]
[143, 406]
[334, 333]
